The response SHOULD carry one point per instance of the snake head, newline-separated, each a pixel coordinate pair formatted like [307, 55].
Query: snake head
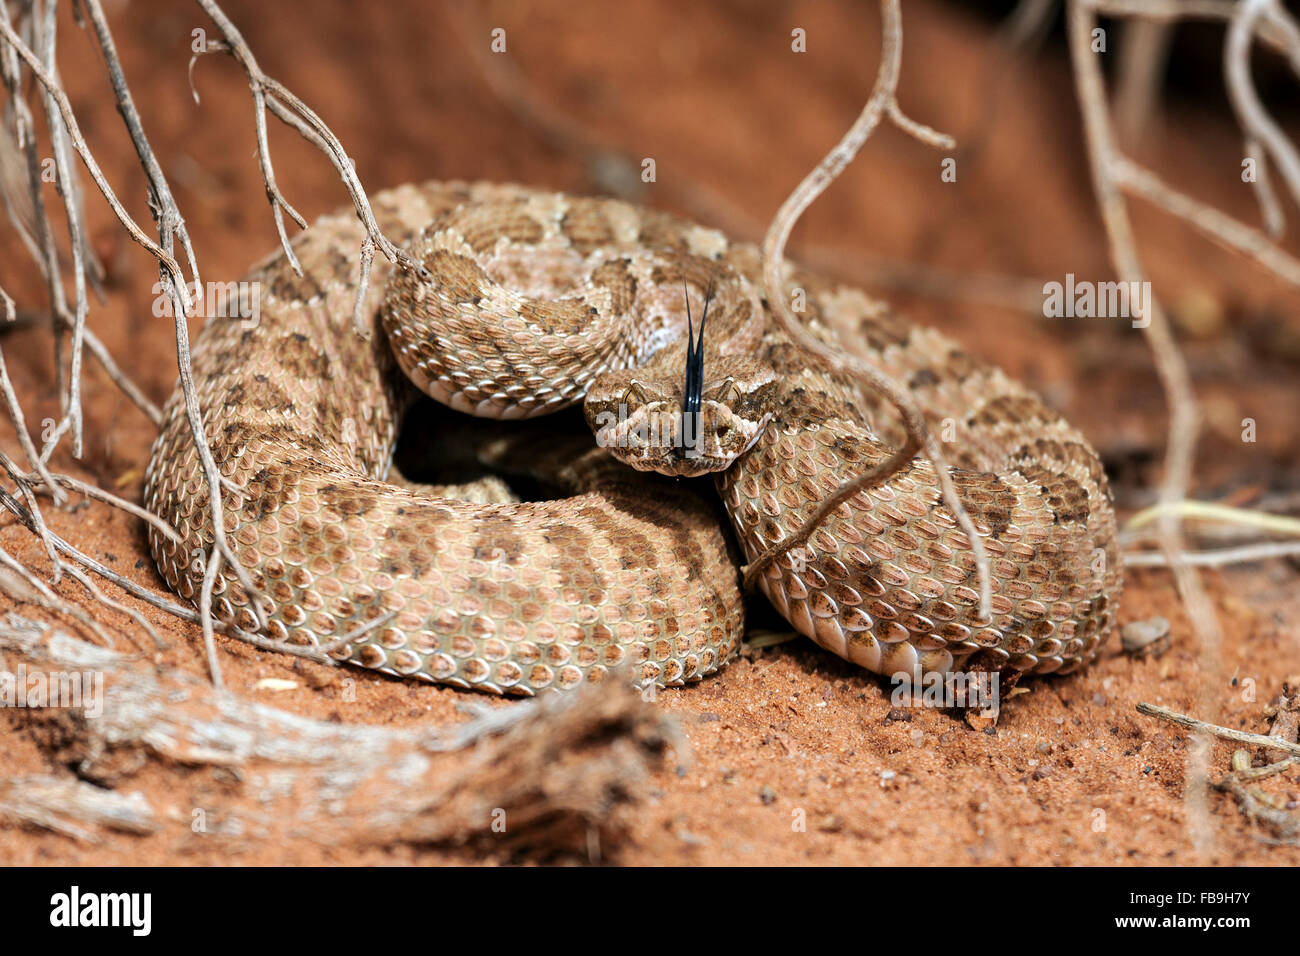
[657, 419]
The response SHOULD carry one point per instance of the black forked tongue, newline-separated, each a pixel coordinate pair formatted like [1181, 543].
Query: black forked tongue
[693, 390]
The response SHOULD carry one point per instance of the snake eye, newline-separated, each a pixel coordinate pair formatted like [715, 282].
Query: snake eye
[634, 390]
[727, 388]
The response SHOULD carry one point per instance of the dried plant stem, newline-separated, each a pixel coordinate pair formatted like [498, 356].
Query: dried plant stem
[1270, 210]
[60, 111]
[171, 269]
[1174, 379]
[1261, 551]
[24, 586]
[559, 767]
[42, 244]
[1270, 31]
[1264, 141]
[1252, 805]
[166, 213]
[1144, 54]
[31, 47]
[38, 519]
[74, 808]
[614, 170]
[1218, 226]
[205, 618]
[1209, 511]
[100, 353]
[99, 494]
[268, 94]
[19, 421]
[1268, 21]
[1214, 730]
[65, 183]
[85, 581]
[882, 104]
[1269, 770]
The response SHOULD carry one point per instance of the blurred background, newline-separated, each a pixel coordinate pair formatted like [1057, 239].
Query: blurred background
[732, 116]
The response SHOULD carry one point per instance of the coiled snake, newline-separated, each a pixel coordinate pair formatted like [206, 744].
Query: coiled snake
[536, 301]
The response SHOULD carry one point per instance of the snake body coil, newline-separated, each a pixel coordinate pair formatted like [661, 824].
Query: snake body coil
[537, 301]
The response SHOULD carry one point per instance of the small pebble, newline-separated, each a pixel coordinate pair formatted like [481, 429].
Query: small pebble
[1149, 638]
[692, 839]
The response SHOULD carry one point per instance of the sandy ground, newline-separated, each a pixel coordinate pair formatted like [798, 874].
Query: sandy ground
[1072, 775]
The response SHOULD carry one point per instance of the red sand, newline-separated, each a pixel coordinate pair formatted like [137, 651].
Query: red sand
[1073, 775]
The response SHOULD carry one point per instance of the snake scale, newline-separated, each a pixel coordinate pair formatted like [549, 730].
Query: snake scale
[535, 301]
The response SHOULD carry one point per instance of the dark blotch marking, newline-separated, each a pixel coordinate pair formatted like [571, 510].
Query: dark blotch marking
[297, 355]
[586, 229]
[615, 276]
[458, 277]
[987, 499]
[482, 232]
[923, 379]
[1066, 497]
[1019, 410]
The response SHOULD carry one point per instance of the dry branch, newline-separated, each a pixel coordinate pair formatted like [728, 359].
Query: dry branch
[1254, 804]
[555, 772]
[1225, 733]
[74, 808]
[1170, 368]
[18, 58]
[882, 104]
[27, 53]
[1114, 173]
[612, 169]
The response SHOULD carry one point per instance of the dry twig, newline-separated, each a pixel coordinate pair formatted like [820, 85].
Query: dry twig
[544, 775]
[882, 104]
[612, 169]
[27, 49]
[1170, 367]
[1253, 803]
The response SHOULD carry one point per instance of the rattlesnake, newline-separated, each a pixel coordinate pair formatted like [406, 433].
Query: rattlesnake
[537, 301]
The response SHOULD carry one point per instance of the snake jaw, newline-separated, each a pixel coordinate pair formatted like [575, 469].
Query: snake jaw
[652, 437]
